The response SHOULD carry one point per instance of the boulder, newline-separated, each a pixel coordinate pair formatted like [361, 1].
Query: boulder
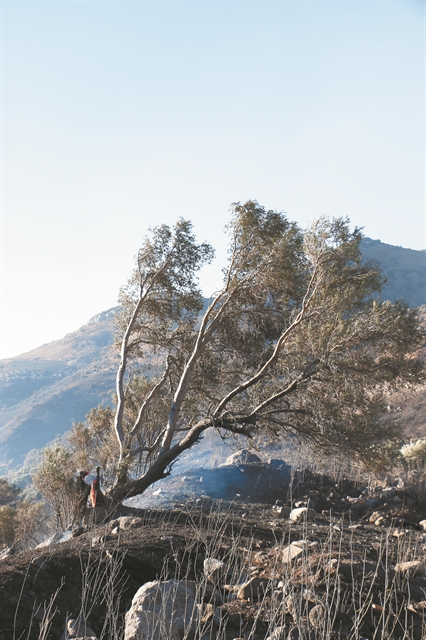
[413, 568]
[302, 513]
[161, 610]
[126, 522]
[241, 457]
[291, 553]
[375, 516]
[317, 617]
[372, 503]
[51, 540]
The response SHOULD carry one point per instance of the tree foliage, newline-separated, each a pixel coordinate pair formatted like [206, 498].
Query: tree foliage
[55, 482]
[20, 519]
[8, 492]
[295, 343]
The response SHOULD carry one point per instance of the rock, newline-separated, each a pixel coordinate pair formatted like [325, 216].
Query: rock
[278, 634]
[253, 589]
[214, 569]
[212, 595]
[372, 503]
[41, 563]
[206, 612]
[302, 513]
[387, 493]
[413, 568]
[78, 628]
[317, 617]
[282, 510]
[126, 522]
[309, 595]
[241, 457]
[302, 544]
[99, 540]
[67, 535]
[289, 605]
[52, 540]
[276, 463]
[375, 516]
[291, 552]
[77, 531]
[161, 610]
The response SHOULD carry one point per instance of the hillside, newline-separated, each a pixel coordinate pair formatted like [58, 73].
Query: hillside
[231, 569]
[405, 270]
[42, 392]
[45, 390]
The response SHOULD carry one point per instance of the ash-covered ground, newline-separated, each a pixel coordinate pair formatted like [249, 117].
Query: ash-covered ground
[346, 561]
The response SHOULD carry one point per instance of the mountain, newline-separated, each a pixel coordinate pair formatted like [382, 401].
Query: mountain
[42, 392]
[405, 270]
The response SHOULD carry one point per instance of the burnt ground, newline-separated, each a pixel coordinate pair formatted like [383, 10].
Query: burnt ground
[350, 552]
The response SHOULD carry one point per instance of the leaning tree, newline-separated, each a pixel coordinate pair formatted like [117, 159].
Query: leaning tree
[296, 342]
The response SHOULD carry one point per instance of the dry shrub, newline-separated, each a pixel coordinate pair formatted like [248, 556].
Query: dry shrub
[55, 482]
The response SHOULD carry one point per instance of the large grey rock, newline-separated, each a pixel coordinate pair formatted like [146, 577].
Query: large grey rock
[51, 540]
[241, 457]
[413, 568]
[291, 553]
[125, 522]
[161, 610]
[302, 513]
[317, 617]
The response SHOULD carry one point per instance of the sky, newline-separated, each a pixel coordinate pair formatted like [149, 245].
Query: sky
[118, 116]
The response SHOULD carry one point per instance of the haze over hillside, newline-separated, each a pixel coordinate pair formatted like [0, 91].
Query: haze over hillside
[42, 392]
[405, 270]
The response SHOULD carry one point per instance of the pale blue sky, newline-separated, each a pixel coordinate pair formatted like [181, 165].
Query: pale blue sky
[117, 116]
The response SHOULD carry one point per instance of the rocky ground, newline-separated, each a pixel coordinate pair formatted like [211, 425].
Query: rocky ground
[350, 567]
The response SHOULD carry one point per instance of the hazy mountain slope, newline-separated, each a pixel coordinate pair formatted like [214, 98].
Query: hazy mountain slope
[42, 392]
[407, 406]
[405, 270]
